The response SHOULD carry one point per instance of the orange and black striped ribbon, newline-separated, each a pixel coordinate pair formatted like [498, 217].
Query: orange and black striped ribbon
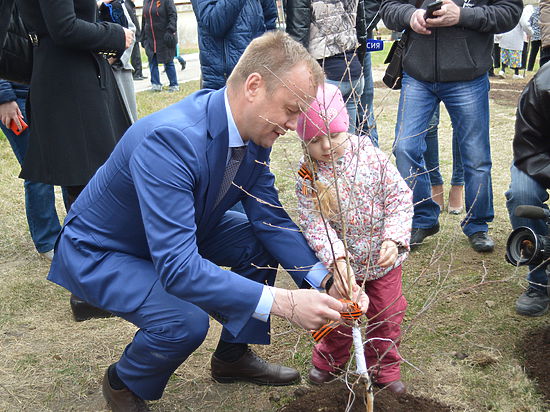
[305, 174]
[353, 312]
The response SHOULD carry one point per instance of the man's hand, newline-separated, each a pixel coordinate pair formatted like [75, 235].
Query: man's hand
[358, 295]
[308, 309]
[417, 23]
[448, 15]
[9, 112]
[388, 253]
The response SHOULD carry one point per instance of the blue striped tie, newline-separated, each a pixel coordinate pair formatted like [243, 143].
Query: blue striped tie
[237, 155]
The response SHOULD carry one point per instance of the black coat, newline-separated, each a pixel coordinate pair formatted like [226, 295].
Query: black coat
[532, 137]
[159, 27]
[76, 112]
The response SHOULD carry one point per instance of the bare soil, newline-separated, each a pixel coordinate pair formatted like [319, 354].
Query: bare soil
[535, 349]
[335, 397]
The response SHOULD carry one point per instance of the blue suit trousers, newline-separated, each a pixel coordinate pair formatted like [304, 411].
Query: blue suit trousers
[171, 328]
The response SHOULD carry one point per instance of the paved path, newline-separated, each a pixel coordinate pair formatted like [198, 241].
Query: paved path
[192, 72]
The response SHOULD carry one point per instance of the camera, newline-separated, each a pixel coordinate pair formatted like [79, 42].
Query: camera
[524, 246]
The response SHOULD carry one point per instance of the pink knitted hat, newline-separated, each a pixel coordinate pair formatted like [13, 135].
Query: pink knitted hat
[327, 108]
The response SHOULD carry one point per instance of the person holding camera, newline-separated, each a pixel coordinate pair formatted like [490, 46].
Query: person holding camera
[530, 180]
[447, 58]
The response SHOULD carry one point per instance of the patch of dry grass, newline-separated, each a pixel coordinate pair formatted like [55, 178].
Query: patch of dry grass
[461, 329]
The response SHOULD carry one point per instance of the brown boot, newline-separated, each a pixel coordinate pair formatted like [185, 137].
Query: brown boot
[123, 400]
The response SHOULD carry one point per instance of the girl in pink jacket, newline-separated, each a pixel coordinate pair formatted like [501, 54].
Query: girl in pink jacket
[353, 203]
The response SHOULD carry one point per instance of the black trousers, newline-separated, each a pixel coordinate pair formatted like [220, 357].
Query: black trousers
[135, 60]
[544, 55]
[535, 47]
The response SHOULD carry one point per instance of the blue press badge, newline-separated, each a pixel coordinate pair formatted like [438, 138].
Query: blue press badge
[375, 45]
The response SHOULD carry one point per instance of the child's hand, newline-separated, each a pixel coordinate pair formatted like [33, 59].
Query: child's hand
[341, 280]
[388, 253]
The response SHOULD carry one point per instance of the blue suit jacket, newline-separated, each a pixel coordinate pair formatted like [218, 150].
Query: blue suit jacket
[141, 217]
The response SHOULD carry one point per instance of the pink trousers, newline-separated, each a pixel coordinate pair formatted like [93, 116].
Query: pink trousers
[386, 311]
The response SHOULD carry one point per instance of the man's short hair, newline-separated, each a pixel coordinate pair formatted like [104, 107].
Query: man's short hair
[273, 55]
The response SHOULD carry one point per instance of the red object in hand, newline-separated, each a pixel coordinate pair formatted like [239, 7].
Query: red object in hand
[14, 129]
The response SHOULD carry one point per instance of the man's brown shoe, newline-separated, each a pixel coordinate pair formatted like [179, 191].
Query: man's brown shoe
[397, 387]
[319, 376]
[251, 368]
[123, 400]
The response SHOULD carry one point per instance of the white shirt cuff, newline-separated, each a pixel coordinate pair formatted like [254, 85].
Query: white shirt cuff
[263, 309]
[316, 275]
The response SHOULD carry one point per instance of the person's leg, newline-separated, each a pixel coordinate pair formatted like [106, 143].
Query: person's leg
[366, 123]
[496, 55]
[170, 329]
[135, 60]
[233, 243]
[180, 58]
[431, 158]
[41, 215]
[417, 105]
[171, 73]
[524, 53]
[154, 70]
[524, 190]
[456, 193]
[386, 311]
[468, 105]
[544, 56]
[39, 197]
[535, 46]
[333, 351]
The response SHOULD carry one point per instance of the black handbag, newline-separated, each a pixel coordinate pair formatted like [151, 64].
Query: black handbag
[394, 72]
[16, 46]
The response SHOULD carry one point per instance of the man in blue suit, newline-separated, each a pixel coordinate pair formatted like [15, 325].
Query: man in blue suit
[145, 239]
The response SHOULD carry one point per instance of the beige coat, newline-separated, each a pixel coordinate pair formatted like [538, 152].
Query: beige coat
[545, 22]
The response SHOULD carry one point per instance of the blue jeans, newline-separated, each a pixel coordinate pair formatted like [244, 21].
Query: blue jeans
[366, 124]
[39, 197]
[170, 72]
[524, 190]
[468, 105]
[431, 157]
[351, 92]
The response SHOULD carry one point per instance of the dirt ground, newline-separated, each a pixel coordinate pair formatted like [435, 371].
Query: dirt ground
[335, 397]
[535, 349]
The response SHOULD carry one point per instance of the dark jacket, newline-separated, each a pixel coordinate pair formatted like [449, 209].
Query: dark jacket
[225, 28]
[532, 138]
[76, 112]
[372, 15]
[457, 53]
[159, 27]
[10, 91]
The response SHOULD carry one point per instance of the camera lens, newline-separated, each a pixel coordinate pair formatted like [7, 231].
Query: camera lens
[525, 247]
[521, 246]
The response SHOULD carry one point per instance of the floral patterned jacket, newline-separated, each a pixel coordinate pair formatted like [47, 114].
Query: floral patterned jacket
[376, 206]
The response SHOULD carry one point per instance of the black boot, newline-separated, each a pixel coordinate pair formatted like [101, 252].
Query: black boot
[83, 310]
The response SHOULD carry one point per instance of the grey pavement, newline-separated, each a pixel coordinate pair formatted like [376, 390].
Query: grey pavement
[192, 72]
